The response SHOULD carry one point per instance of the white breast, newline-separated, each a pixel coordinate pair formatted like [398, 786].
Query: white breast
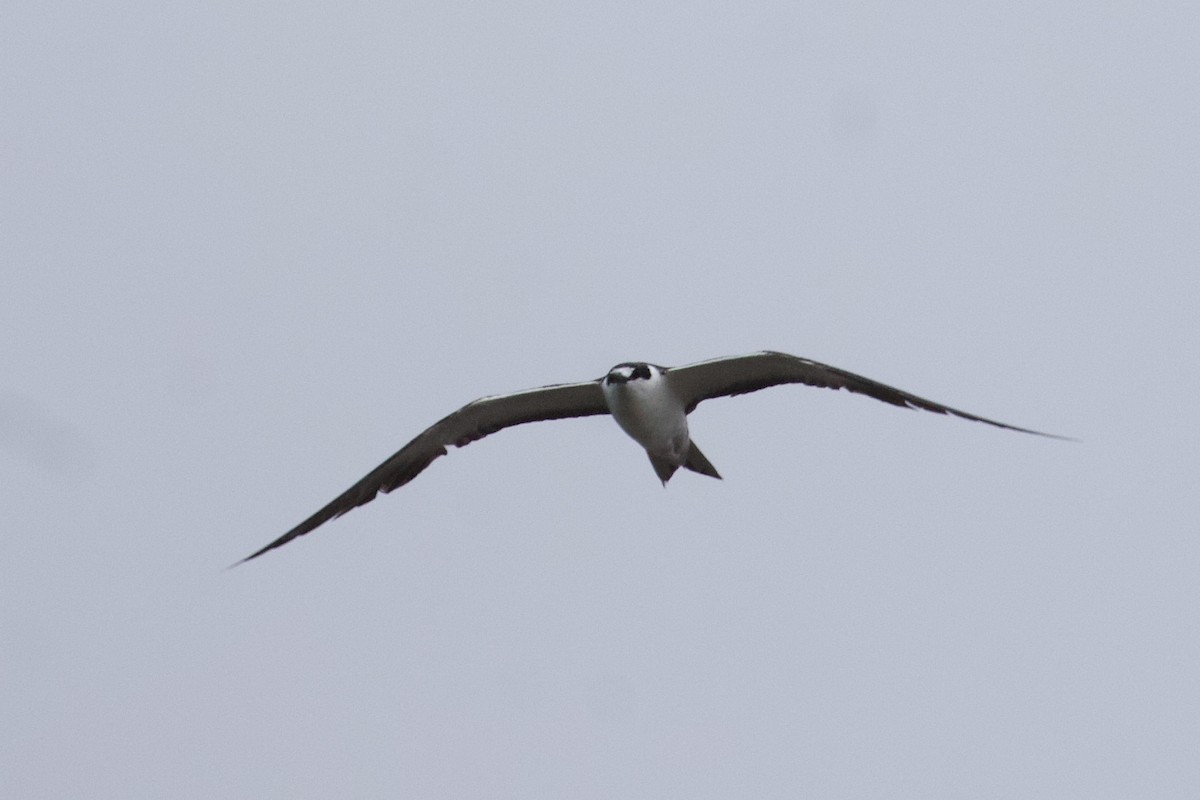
[650, 413]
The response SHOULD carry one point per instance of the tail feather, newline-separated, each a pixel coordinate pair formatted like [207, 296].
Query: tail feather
[696, 462]
[663, 468]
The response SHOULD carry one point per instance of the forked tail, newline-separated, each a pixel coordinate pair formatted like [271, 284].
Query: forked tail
[695, 461]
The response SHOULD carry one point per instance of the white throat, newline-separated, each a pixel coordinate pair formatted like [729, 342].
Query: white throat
[649, 412]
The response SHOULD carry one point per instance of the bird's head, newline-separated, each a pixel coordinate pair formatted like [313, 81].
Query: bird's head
[630, 371]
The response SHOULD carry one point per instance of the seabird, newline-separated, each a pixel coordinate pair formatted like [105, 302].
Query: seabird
[649, 402]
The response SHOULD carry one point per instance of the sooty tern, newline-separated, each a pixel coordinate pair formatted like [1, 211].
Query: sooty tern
[649, 402]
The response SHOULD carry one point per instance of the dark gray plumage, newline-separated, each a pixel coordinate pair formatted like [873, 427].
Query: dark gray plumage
[725, 377]
[650, 403]
[473, 421]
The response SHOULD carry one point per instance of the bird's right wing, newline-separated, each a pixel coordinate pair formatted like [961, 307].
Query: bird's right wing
[473, 421]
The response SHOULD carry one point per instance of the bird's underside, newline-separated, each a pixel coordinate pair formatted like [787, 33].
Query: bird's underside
[647, 400]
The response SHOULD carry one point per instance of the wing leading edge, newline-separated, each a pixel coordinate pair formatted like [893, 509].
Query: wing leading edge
[725, 377]
[472, 422]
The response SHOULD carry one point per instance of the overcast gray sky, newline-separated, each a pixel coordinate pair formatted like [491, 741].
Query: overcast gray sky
[249, 250]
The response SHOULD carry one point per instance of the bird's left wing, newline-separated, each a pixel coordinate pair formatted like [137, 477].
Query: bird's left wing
[473, 421]
[722, 377]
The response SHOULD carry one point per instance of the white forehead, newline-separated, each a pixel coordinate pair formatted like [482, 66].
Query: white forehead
[625, 371]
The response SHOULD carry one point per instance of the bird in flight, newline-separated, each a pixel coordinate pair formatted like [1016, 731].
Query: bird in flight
[649, 402]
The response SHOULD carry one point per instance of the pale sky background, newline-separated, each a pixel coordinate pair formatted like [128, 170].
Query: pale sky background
[249, 250]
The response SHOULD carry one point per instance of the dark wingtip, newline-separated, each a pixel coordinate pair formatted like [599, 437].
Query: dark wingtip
[259, 552]
[238, 563]
[1043, 434]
